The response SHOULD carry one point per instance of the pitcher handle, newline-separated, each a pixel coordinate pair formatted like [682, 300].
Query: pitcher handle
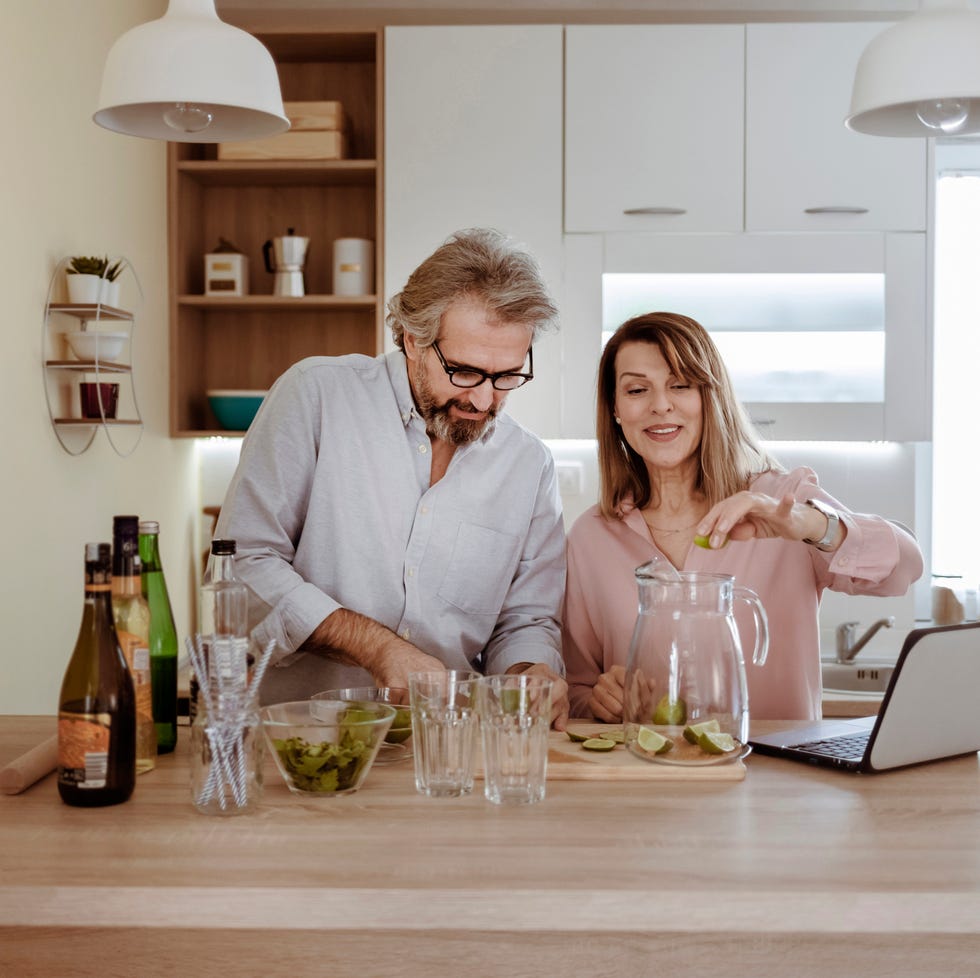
[761, 649]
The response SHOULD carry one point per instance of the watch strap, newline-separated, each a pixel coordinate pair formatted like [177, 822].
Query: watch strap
[826, 542]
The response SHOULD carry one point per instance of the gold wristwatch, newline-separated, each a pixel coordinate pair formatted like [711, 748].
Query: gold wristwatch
[826, 542]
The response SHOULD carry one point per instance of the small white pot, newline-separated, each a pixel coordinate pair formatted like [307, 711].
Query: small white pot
[110, 292]
[84, 289]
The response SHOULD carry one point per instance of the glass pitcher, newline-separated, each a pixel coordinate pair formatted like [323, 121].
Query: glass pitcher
[686, 698]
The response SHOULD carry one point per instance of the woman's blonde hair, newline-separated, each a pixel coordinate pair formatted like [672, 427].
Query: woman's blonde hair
[730, 454]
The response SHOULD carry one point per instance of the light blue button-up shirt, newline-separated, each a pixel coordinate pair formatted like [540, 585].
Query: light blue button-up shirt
[331, 507]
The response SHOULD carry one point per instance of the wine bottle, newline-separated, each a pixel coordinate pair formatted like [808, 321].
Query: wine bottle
[163, 637]
[97, 704]
[132, 617]
[224, 625]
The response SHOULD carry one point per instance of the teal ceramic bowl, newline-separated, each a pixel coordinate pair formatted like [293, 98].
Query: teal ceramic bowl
[235, 409]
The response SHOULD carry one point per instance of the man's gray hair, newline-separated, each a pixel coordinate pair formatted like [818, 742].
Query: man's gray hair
[477, 263]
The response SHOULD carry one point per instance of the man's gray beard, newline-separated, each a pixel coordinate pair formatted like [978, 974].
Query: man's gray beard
[439, 424]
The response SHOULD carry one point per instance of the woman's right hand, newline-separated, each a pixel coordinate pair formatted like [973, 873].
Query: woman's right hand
[606, 702]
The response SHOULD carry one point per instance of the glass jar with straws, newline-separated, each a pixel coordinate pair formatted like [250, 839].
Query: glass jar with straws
[226, 738]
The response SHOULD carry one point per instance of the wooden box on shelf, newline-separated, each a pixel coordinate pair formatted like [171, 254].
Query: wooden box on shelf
[300, 145]
[315, 116]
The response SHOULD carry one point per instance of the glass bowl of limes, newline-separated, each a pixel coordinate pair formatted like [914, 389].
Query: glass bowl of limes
[325, 749]
[397, 745]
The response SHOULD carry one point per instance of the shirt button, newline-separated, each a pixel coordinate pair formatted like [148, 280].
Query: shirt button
[405, 634]
[411, 572]
[423, 449]
[425, 509]
[843, 561]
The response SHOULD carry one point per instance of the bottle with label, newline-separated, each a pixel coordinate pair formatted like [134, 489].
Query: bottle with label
[224, 625]
[163, 637]
[97, 705]
[132, 617]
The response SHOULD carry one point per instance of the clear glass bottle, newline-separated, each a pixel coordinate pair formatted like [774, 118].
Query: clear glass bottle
[223, 625]
[163, 637]
[131, 614]
[97, 704]
[226, 756]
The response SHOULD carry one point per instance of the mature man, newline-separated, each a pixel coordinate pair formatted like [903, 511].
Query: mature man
[389, 517]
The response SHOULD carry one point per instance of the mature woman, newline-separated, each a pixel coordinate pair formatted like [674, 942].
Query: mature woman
[678, 459]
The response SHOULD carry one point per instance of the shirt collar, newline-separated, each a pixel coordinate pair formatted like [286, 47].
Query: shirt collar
[397, 364]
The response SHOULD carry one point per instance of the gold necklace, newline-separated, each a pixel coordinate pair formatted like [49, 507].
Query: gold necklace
[659, 529]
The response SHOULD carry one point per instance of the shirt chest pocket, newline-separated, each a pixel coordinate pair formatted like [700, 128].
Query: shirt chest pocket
[480, 569]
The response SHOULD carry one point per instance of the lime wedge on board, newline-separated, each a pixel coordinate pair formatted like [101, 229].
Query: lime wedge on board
[652, 741]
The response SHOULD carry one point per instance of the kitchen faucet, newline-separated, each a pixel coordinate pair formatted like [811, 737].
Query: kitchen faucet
[847, 647]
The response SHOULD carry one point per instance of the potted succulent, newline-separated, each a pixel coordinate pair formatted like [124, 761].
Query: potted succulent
[93, 279]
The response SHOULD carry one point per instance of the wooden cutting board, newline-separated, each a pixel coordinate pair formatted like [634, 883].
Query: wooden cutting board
[568, 761]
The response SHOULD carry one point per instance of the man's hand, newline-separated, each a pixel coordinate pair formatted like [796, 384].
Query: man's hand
[559, 690]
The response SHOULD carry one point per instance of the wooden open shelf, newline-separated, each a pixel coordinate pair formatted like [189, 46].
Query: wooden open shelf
[247, 342]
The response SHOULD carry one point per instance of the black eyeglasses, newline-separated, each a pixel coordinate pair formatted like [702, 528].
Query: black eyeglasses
[471, 377]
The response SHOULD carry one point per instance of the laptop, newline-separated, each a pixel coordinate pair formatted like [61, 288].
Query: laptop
[929, 712]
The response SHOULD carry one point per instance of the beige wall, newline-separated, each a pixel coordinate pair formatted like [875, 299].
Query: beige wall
[69, 187]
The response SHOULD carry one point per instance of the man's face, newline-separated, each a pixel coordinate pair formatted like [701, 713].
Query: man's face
[468, 338]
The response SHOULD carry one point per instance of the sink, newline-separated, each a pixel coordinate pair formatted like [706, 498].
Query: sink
[859, 676]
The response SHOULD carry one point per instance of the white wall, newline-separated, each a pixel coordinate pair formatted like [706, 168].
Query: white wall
[69, 187]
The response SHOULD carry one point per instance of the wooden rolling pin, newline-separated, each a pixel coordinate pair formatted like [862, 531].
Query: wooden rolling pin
[22, 772]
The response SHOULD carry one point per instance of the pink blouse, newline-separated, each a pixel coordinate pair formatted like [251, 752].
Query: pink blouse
[877, 557]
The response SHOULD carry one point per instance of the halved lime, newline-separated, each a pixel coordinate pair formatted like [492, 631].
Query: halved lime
[716, 743]
[653, 742]
[577, 738]
[616, 736]
[694, 730]
[670, 712]
[598, 743]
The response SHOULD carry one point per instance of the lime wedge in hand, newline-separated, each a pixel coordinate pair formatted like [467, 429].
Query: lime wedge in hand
[598, 743]
[670, 712]
[694, 730]
[510, 700]
[653, 742]
[716, 743]
[616, 736]
[703, 541]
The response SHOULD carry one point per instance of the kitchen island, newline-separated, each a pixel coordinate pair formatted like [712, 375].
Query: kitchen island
[792, 871]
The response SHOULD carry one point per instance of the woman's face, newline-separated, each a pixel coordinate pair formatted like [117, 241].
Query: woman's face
[660, 414]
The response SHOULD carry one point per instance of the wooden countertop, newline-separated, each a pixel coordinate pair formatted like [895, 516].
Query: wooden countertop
[793, 871]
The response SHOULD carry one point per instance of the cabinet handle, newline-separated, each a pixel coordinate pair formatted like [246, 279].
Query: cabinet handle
[763, 422]
[655, 210]
[836, 210]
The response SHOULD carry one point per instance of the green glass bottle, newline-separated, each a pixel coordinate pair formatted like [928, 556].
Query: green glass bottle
[97, 704]
[163, 637]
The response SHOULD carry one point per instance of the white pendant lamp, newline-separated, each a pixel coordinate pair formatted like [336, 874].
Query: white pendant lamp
[921, 77]
[190, 77]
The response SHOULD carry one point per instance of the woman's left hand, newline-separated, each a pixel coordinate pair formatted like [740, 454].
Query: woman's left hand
[748, 515]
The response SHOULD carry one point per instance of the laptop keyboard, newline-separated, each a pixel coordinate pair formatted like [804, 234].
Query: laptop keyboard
[850, 747]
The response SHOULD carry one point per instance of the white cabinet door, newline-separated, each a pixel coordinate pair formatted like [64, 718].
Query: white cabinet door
[654, 128]
[805, 170]
[473, 139]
